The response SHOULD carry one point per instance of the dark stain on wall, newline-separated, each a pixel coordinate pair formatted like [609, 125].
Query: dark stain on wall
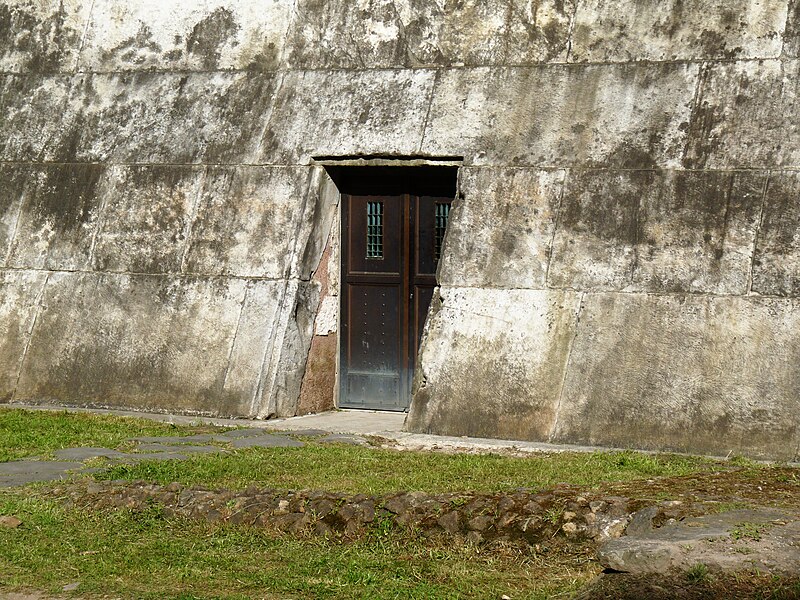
[776, 269]
[130, 50]
[210, 34]
[56, 223]
[791, 37]
[706, 115]
[39, 44]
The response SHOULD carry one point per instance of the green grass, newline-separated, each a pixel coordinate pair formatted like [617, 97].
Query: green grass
[357, 469]
[146, 555]
[38, 433]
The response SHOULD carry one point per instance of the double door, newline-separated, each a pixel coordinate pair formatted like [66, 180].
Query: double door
[393, 225]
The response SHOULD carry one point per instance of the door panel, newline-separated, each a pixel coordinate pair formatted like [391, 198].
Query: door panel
[389, 229]
[391, 238]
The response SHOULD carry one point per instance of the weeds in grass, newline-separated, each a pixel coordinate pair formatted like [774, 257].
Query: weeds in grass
[698, 574]
[720, 507]
[748, 531]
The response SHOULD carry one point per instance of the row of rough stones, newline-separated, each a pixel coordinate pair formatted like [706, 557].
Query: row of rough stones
[521, 516]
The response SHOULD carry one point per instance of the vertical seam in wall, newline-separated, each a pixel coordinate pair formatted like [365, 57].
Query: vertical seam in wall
[759, 225]
[37, 311]
[41, 157]
[83, 38]
[289, 26]
[269, 349]
[571, 33]
[789, 4]
[12, 240]
[553, 432]
[637, 238]
[268, 116]
[556, 222]
[434, 83]
[101, 215]
[189, 229]
[235, 334]
[726, 218]
[698, 91]
[507, 32]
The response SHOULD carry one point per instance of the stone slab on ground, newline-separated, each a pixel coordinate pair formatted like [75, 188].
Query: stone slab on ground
[267, 441]
[741, 540]
[156, 448]
[235, 434]
[82, 454]
[22, 472]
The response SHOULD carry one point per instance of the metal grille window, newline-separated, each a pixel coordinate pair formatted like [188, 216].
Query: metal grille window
[374, 229]
[442, 214]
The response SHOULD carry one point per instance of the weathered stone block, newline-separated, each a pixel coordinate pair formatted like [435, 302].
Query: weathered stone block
[776, 268]
[677, 30]
[19, 295]
[492, 363]
[58, 217]
[791, 37]
[149, 342]
[285, 366]
[633, 116]
[689, 373]
[27, 106]
[146, 217]
[41, 36]
[170, 118]
[657, 231]
[247, 221]
[12, 186]
[326, 113]
[407, 33]
[516, 212]
[205, 35]
[747, 115]
[538, 31]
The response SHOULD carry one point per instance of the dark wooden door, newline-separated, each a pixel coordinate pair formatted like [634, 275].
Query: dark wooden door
[393, 224]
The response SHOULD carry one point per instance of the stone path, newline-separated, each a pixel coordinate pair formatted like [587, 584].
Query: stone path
[71, 461]
[740, 540]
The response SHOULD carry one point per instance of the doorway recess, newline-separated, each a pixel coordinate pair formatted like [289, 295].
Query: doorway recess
[392, 227]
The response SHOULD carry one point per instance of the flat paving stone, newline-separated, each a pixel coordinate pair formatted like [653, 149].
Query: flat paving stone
[267, 441]
[180, 448]
[200, 438]
[21, 472]
[82, 454]
[740, 540]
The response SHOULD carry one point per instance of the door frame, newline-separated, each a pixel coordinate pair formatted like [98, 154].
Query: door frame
[336, 168]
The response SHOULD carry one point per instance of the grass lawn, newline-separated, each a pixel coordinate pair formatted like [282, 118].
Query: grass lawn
[356, 469]
[147, 555]
[131, 555]
[38, 433]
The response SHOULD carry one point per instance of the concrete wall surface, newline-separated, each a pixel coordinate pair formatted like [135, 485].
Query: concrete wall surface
[622, 265]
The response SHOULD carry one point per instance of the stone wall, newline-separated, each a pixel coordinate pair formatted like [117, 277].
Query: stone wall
[621, 266]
